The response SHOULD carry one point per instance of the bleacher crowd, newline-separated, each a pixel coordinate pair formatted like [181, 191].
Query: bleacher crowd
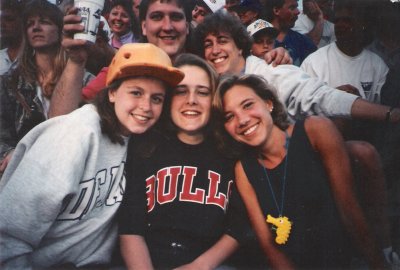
[201, 134]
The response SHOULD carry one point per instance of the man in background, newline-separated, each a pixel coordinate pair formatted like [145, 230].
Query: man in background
[10, 33]
[283, 15]
[312, 23]
[204, 7]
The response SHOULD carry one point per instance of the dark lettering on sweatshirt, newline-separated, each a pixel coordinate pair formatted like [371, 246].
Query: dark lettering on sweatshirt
[105, 189]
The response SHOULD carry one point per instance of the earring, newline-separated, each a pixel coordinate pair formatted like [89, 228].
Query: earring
[272, 108]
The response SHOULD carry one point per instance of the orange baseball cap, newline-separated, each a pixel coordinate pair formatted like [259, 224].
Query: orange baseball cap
[143, 59]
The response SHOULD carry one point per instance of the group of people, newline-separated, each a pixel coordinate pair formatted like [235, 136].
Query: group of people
[187, 150]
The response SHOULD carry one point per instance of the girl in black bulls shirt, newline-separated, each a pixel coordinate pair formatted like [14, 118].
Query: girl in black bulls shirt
[175, 209]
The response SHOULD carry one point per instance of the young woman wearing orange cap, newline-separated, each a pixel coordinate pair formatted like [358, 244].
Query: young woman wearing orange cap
[65, 182]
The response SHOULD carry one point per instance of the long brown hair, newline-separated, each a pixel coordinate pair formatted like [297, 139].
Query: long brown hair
[27, 66]
[109, 122]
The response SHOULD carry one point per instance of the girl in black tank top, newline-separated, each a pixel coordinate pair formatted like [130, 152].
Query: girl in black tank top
[294, 179]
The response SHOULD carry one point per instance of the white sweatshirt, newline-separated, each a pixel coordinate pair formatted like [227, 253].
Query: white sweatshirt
[302, 94]
[59, 194]
[365, 71]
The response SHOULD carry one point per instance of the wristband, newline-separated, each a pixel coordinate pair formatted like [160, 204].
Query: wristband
[389, 114]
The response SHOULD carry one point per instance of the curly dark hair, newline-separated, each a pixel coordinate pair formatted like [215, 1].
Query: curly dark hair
[260, 86]
[221, 22]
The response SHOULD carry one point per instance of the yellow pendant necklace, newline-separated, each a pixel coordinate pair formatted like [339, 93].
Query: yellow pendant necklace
[281, 224]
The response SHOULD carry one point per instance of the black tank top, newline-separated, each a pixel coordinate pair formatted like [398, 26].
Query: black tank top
[317, 238]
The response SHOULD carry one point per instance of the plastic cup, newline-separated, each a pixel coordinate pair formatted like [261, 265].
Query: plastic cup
[90, 11]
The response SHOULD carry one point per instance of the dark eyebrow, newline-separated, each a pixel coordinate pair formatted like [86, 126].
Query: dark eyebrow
[245, 100]
[156, 12]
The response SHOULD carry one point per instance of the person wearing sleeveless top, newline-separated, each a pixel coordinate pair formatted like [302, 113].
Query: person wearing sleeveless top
[294, 179]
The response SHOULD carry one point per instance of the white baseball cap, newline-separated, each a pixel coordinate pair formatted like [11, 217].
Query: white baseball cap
[259, 25]
[214, 5]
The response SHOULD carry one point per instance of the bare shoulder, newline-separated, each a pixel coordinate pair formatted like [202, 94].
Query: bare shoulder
[242, 182]
[320, 129]
[239, 171]
[317, 124]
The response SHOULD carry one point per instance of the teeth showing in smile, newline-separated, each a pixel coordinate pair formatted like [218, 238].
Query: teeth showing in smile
[168, 37]
[219, 60]
[191, 113]
[140, 117]
[250, 130]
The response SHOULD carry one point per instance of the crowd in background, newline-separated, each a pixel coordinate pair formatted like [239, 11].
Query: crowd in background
[187, 184]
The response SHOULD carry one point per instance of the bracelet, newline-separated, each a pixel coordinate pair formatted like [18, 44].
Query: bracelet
[389, 114]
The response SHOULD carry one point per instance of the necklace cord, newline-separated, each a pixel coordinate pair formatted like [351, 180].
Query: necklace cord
[280, 210]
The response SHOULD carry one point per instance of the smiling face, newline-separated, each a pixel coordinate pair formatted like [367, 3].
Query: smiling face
[165, 26]
[119, 21]
[247, 116]
[222, 53]
[191, 104]
[41, 32]
[138, 103]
